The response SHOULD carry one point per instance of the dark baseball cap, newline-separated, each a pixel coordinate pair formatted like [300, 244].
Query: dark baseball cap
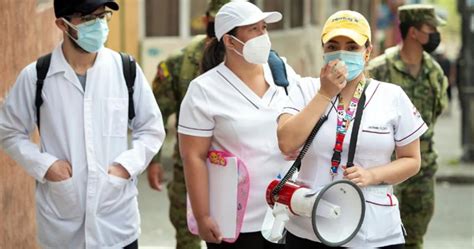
[69, 7]
[420, 13]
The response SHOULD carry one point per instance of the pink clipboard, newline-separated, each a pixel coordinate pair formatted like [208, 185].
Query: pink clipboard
[219, 159]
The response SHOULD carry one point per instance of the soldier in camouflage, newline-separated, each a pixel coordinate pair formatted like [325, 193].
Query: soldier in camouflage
[411, 66]
[169, 86]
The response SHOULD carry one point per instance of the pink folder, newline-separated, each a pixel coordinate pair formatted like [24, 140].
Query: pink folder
[217, 161]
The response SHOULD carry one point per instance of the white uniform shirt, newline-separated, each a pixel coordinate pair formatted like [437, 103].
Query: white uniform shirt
[87, 128]
[389, 120]
[219, 105]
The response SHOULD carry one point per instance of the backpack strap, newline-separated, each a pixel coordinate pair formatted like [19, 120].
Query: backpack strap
[277, 66]
[129, 72]
[42, 67]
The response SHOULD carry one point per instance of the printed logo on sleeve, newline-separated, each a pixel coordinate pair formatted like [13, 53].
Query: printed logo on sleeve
[416, 113]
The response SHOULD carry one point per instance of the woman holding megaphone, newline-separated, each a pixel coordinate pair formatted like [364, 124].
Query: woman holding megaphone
[389, 123]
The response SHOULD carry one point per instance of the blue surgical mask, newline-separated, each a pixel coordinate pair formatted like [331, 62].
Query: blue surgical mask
[354, 61]
[90, 36]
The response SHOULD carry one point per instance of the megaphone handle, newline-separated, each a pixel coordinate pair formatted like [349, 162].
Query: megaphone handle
[279, 225]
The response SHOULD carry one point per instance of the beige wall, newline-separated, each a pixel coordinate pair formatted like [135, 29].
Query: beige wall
[124, 30]
[28, 31]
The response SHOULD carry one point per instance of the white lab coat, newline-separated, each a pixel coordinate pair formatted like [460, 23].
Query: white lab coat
[88, 129]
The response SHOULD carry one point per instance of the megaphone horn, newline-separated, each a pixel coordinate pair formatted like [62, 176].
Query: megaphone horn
[336, 212]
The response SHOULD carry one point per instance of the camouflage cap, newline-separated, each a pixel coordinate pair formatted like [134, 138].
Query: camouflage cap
[215, 5]
[419, 13]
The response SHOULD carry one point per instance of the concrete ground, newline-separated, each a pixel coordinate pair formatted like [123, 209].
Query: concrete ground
[452, 226]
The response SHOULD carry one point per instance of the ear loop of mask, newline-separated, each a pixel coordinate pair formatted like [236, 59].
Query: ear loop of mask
[70, 25]
[235, 50]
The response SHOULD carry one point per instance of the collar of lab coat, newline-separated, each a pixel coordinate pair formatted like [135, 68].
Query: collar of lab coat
[59, 64]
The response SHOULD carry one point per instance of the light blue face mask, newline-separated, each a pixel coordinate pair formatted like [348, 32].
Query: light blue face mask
[91, 37]
[354, 61]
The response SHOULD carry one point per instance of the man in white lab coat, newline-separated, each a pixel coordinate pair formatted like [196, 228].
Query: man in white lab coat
[85, 169]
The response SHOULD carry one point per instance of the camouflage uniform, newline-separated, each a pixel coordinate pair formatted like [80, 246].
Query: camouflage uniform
[169, 87]
[428, 94]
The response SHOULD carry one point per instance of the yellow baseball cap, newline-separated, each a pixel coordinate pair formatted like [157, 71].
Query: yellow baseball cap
[347, 23]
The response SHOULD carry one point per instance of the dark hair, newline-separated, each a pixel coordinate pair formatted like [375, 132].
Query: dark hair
[405, 26]
[214, 53]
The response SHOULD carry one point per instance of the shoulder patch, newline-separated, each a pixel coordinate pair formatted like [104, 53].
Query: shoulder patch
[162, 71]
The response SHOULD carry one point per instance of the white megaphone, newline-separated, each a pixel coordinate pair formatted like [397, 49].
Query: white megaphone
[336, 212]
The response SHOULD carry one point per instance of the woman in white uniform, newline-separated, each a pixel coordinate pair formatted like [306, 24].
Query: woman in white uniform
[233, 107]
[389, 123]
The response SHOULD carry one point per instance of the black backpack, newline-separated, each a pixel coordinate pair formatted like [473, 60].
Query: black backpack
[129, 72]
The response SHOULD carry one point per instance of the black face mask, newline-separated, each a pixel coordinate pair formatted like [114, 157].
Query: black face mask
[433, 41]
[210, 31]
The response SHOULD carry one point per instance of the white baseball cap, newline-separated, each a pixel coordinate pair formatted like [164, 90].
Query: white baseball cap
[241, 13]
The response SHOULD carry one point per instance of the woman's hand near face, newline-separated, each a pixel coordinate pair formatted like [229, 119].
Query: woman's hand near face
[333, 78]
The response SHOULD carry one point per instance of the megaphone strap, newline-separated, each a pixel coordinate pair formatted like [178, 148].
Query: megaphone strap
[355, 128]
[297, 163]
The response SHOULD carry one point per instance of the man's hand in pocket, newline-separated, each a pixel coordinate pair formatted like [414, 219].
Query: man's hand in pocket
[119, 171]
[60, 170]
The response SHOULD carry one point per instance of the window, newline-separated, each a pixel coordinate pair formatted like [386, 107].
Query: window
[297, 13]
[275, 5]
[315, 14]
[162, 17]
[198, 11]
[337, 5]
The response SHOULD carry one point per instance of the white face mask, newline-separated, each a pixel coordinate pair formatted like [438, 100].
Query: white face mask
[256, 50]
